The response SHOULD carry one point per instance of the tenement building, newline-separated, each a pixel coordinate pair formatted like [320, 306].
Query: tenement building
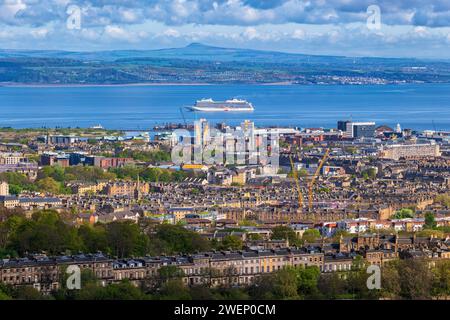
[397, 151]
[216, 268]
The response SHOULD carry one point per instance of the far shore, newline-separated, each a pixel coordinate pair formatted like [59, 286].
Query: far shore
[31, 85]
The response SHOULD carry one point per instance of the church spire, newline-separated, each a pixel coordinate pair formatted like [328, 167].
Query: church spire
[137, 190]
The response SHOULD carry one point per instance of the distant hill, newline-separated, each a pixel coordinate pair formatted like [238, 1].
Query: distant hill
[207, 64]
[194, 51]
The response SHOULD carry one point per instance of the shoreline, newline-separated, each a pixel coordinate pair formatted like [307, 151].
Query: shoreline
[187, 84]
[25, 85]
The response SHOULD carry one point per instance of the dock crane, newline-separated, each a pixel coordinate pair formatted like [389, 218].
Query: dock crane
[184, 118]
[297, 183]
[314, 178]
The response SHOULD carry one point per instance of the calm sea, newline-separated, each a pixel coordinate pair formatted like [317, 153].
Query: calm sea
[417, 106]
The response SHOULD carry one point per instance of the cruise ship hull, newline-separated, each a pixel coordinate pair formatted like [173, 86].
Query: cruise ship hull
[220, 109]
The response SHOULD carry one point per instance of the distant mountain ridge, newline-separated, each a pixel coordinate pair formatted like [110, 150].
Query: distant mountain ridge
[199, 63]
[193, 51]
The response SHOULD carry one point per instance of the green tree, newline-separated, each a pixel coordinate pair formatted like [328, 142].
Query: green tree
[230, 242]
[174, 289]
[281, 285]
[311, 235]
[307, 279]
[124, 290]
[171, 239]
[430, 221]
[230, 294]
[15, 189]
[356, 281]
[331, 285]
[125, 239]
[17, 182]
[28, 293]
[441, 279]
[48, 185]
[390, 280]
[94, 238]
[255, 236]
[201, 293]
[403, 213]
[167, 273]
[415, 279]
[443, 199]
[4, 293]
[283, 232]
[45, 231]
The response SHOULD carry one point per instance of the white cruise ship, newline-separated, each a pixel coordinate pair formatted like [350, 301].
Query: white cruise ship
[233, 105]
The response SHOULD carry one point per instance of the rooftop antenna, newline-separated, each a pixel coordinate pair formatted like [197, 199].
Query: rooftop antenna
[434, 126]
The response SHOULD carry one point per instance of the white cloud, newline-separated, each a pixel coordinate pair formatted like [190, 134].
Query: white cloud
[298, 34]
[251, 33]
[117, 32]
[171, 33]
[421, 32]
[9, 9]
[129, 16]
[432, 13]
[90, 34]
[39, 33]
[335, 26]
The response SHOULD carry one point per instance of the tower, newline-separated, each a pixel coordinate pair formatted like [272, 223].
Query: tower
[201, 132]
[137, 190]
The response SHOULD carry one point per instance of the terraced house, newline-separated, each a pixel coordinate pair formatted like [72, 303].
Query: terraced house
[210, 268]
[217, 268]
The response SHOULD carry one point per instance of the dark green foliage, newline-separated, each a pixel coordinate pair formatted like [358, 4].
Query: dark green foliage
[171, 239]
[311, 235]
[17, 182]
[49, 231]
[45, 231]
[167, 273]
[287, 283]
[29, 293]
[282, 233]
[230, 242]
[430, 221]
[307, 279]
[74, 173]
[403, 213]
[150, 174]
[124, 290]
[201, 293]
[174, 289]
[94, 238]
[153, 157]
[415, 279]
[125, 239]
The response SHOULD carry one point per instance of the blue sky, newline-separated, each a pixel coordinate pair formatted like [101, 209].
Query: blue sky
[410, 28]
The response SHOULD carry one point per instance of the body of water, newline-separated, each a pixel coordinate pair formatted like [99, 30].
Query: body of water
[416, 106]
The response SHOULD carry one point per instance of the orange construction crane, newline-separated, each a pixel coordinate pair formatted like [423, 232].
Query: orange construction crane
[297, 183]
[314, 178]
